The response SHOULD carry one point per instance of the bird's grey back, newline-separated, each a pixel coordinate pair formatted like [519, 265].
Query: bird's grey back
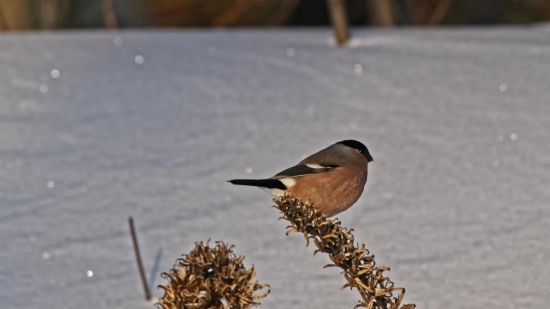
[338, 153]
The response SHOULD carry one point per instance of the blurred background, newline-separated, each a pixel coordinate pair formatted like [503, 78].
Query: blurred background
[68, 14]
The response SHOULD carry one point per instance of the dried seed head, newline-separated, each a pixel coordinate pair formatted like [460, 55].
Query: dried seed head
[210, 278]
[358, 264]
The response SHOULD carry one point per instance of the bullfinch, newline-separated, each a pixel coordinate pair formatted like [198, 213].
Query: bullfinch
[333, 179]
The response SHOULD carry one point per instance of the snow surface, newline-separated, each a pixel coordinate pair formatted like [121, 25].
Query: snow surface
[457, 120]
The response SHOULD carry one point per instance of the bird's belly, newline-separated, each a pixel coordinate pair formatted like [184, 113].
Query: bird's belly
[331, 199]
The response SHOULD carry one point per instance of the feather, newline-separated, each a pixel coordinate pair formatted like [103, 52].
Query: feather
[304, 169]
[263, 183]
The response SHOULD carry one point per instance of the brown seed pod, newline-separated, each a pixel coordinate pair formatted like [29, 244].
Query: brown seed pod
[210, 277]
[357, 264]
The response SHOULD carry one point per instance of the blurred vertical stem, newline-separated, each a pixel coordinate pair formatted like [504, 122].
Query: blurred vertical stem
[381, 12]
[339, 20]
[440, 12]
[44, 14]
[50, 14]
[109, 17]
[233, 14]
[283, 13]
[3, 21]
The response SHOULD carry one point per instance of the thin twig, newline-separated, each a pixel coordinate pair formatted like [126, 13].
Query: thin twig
[138, 259]
[3, 22]
[109, 17]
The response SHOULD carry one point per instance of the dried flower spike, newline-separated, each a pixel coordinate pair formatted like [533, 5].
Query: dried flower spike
[210, 278]
[357, 264]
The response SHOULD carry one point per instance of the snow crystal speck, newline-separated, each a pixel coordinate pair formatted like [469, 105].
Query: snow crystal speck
[358, 69]
[55, 73]
[290, 52]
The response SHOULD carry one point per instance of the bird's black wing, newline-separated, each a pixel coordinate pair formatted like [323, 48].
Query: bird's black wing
[304, 169]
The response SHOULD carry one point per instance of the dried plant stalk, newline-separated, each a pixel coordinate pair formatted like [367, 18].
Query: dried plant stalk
[339, 19]
[109, 16]
[210, 278]
[3, 22]
[358, 265]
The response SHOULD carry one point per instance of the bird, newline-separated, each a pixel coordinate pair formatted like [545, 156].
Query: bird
[331, 179]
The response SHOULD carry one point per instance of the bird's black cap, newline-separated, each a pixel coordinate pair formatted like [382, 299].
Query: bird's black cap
[359, 146]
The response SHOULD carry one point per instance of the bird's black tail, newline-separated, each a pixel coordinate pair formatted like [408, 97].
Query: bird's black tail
[264, 183]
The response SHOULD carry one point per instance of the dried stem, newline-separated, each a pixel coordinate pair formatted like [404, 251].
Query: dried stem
[3, 22]
[233, 13]
[440, 12]
[138, 259]
[381, 12]
[357, 264]
[109, 17]
[283, 13]
[339, 20]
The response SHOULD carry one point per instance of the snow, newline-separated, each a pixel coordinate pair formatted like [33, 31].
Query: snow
[97, 126]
